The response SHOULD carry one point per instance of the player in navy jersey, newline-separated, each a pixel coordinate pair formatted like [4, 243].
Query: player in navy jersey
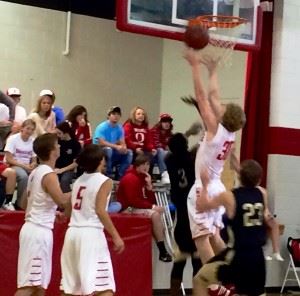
[243, 262]
[180, 166]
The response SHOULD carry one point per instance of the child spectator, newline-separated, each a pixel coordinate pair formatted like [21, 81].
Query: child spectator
[69, 150]
[20, 156]
[78, 119]
[43, 115]
[161, 133]
[137, 197]
[137, 133]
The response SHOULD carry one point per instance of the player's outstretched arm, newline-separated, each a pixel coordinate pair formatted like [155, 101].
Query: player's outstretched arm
[208, 116]
[213, 89]
[101, 202]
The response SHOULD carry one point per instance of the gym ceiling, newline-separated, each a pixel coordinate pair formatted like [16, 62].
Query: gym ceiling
[97, 8]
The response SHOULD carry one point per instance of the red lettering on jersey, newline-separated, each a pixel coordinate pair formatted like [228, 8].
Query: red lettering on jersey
[226, 149]
[77, 205]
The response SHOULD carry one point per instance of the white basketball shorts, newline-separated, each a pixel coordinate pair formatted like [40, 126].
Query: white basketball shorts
[206, 222]
[85, 262]
[35, 256]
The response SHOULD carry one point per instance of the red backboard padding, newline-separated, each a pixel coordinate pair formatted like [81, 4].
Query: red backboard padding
[132, 268]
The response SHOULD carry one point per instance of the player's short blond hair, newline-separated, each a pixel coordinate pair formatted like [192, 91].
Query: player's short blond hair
[234, 117]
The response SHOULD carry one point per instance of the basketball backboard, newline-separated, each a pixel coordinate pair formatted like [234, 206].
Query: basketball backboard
[168, 18]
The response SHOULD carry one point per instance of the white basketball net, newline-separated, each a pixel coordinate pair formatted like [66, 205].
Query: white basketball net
[220, 49]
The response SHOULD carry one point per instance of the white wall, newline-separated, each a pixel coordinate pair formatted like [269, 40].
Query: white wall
[283, 170]
[104, 68]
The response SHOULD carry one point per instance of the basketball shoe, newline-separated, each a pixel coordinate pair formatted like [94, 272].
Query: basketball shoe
[218, 290]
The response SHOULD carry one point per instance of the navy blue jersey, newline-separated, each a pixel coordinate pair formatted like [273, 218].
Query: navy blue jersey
[248, 223]
[182, 177]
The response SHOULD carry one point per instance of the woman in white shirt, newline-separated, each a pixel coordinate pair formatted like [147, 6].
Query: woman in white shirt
[43, 115]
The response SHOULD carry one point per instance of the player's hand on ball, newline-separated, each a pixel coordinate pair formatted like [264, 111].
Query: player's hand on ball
[191, 56]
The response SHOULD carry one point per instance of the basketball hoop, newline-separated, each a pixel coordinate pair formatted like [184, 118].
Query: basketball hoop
[223, 31]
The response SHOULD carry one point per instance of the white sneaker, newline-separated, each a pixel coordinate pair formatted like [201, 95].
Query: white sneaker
[268, 258]
[9, 207]
[165, 179]
[277, 257]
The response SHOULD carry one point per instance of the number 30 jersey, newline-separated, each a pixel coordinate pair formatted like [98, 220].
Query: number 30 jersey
[248, 223]
[212, 154]
[84, 194]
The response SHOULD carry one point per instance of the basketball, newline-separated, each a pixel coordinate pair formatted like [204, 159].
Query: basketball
[196, 37]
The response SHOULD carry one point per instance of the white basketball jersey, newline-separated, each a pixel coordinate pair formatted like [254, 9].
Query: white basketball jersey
[41, 208]
[212, 154]
[84, 195]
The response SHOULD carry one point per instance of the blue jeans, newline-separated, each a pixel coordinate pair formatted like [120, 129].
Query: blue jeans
[113, 158]
[159, 158]
[22, 180]
[65, 180]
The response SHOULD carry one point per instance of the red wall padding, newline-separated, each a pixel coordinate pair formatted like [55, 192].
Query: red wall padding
[132, 268]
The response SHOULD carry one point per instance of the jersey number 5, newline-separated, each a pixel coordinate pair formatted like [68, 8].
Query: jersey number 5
[79, 196]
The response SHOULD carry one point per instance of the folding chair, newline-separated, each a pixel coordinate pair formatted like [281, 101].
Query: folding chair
[293, 246]
[163, 201]
[161, 195]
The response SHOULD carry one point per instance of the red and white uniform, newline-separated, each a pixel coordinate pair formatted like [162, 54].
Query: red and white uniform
[85, 259]
[138, 136]
[210, 155]
[36, 237]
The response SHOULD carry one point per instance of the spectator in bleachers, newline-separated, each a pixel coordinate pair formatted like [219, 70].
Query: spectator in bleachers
[59, 114]
[136, 195]
[43, 115]
[20, 112]
[5, 125]
[7, 115]
[137, 133]
[78, 119]
[69, 150]
[20, 156]
[10, 103]
[8, 181]
[161, 133]
[109, 134]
